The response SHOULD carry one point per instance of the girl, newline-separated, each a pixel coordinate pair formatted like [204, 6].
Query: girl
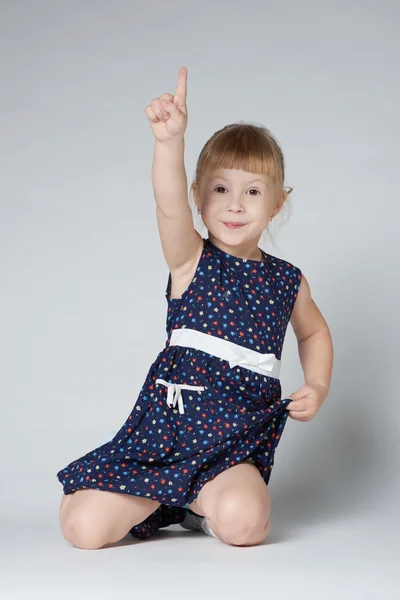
[198, 446]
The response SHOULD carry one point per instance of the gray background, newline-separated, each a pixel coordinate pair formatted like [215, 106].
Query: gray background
[83, 276]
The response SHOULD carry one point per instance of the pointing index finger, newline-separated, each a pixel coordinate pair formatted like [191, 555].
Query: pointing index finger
[181, 88]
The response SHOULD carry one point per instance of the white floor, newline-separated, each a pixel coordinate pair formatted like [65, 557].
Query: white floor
[305, 556]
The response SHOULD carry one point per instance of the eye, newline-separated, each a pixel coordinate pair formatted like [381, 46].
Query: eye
[220, 187]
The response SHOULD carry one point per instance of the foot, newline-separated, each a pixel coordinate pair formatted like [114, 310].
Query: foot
[195, 522]
[191, 521]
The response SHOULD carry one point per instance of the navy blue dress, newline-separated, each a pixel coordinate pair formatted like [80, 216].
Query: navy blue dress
[175, 439]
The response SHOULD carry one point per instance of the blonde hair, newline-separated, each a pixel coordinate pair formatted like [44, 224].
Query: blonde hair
[242, 146]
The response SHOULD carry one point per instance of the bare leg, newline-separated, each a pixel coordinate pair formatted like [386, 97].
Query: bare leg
[196, 508]
[237, 505]
[90, 519]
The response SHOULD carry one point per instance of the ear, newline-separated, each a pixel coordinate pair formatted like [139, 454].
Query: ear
[195, 191]
[283, 196]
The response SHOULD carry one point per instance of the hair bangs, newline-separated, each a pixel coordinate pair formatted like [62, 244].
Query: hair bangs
[245, 147]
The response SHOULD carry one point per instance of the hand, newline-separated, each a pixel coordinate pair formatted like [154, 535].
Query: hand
[306, 402]
[168, 114]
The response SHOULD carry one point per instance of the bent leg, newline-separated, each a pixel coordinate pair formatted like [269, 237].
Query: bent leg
[237, 505]
[91, 518]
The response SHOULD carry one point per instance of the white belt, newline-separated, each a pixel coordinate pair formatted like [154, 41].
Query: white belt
[266, 364]
[174, 395]
[235, 354]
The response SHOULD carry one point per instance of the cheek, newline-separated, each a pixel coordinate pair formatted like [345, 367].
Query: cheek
[210, 207]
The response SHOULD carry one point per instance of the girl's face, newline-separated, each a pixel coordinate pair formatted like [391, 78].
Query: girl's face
[231, 195]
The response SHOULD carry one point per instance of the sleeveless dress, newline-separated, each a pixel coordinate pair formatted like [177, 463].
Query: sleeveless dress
[212, 397]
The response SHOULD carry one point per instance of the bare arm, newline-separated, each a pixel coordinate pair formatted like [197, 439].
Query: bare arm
[313, 338]
[316, 357]
[168, 119]
[169, 177]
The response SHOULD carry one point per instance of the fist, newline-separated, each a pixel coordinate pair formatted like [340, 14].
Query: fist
[168, 114]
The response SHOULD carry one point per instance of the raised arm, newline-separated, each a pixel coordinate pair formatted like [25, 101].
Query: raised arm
[168, 119]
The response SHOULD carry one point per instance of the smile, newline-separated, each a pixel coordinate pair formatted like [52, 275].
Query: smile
[231, 225]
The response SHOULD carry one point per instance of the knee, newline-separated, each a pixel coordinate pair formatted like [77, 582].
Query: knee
[241, 521]
[79, 529]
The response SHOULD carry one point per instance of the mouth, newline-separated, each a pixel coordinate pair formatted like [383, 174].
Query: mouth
[233, 225]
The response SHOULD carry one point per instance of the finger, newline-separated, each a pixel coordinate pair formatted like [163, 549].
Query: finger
[166, 106]
[169, 98]
[170, 109]
[156, 106]
[181, 88]
[298, 416]
[298, 408]
[166, 96]
[298, 405]
[151, 115]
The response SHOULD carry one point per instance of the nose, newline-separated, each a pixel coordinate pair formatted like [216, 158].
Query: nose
[235, 203]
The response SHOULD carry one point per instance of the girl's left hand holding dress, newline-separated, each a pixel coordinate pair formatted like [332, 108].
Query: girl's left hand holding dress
[306, 402]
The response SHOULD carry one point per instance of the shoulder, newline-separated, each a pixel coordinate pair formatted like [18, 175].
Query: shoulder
[306, 318]
[284, 270]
